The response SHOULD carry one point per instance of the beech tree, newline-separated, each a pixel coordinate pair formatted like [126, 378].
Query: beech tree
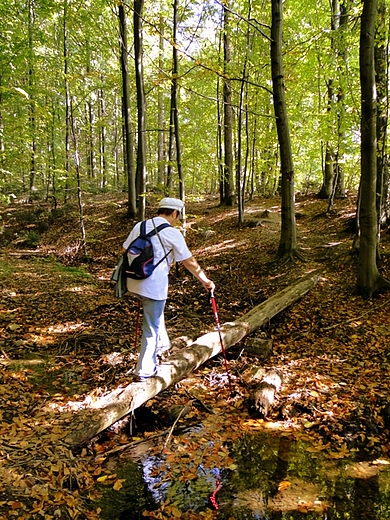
[288, 239]
[227, 170]
[101, 78]
[128, 144]
[141, 110]
[381, 78]
[369, 280]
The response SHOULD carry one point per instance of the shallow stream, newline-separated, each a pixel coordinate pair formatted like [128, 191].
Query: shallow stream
[272, 478]
[275, 478]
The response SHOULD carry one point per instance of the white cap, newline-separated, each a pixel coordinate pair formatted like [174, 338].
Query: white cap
[170, 203]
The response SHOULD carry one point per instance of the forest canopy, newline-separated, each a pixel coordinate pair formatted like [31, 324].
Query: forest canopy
[61, 110]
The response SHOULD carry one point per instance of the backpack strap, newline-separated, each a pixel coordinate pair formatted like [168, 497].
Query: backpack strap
[142, 231]
[156, 231]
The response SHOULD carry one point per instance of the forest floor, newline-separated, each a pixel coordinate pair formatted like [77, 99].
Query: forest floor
[65, 339]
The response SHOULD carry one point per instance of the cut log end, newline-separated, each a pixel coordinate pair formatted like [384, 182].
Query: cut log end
[264, 393]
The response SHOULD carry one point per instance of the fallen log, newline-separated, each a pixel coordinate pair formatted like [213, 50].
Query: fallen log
[88, 422]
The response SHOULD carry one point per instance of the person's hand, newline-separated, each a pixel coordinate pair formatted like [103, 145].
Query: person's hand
[209, 285]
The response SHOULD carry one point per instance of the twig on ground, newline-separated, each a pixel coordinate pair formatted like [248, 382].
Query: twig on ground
[173, 425]
[357, 317]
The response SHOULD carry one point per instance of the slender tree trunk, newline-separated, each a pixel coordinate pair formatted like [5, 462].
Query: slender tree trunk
[141, 109]
[161, 116]
[327, 182]
[128, 131]
[31, 81]
[78, 178]
[89, 115]
[171, 112]
[253, 161]
[102, 141]
[333, 182]
[168, 185]
[341, 55]
[116, 150]
[90, 142]
[228, 114]
[381, 69]
[288, 239]
[221, 169]
[241, 175]
[53, 153]
[369, 279]
[174, 103]
[67, 101]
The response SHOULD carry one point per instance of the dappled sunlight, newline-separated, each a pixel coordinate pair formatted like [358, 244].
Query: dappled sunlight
[216, 249]
[85, 289]
[63, 328]
[333, 361]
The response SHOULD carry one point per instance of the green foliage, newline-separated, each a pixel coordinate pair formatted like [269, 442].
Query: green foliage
[31, 238]
[32, 83]
[6, 270]
[71, 272]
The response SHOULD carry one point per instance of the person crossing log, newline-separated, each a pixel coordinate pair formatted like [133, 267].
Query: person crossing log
[107, 410]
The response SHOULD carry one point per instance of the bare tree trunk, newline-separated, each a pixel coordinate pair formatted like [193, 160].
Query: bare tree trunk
[67, 101]
[90, 141]
[328, 174]
[31, 105]
[341, 55]
[161, 118]
[221, 169]
[381, 69]
[89, 116]
[78, 177]
[369, 279]
[174, 105]
[128, 131]
[240, 179]
[288, 239]
[228, 182]
[141, 110]
[102, 142]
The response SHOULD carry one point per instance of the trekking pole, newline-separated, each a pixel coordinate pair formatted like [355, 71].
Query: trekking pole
[137, 325]
[216, 318]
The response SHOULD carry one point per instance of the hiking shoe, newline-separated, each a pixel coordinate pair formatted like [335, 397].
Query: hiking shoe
[142, 379]
[163, 351]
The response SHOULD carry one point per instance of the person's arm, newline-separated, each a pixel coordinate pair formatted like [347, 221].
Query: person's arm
[194, 268]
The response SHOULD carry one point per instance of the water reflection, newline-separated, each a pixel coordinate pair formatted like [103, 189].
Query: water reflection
[276, 478]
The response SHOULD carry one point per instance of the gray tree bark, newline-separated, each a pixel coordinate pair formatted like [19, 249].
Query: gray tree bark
[141, 110]
[288, 239]
[228, 182]
[381, 70]
[369, 280]
[127, 130]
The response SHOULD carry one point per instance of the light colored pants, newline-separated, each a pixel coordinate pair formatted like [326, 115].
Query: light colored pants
[154, 336]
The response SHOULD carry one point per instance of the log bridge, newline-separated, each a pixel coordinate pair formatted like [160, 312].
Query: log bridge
[88, 422]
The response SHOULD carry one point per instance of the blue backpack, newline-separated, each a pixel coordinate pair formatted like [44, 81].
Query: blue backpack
[139, 256]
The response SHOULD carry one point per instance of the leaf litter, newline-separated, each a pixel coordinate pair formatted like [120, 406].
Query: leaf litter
[64, 339]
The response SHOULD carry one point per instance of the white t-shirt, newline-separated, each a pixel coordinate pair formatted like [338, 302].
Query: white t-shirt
[156, 286]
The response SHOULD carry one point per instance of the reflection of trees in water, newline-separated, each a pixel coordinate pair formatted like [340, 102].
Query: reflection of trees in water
[277, 478]
[280, 473]
[367, 499]
[282, 462]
